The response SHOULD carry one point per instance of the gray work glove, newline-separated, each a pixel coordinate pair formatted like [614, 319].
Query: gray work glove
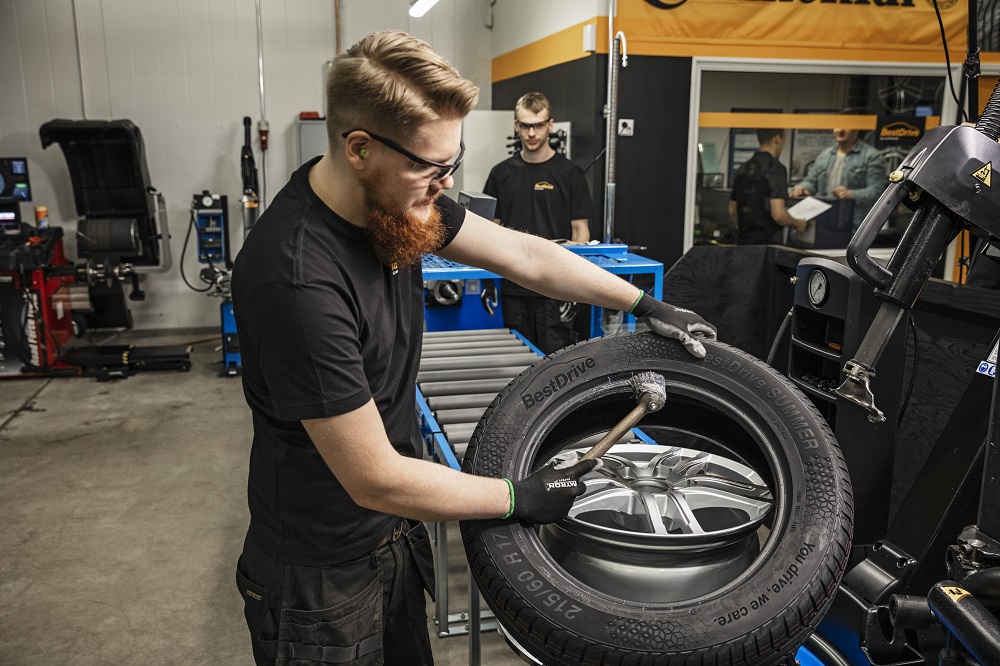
[547, 495]
[673, 322]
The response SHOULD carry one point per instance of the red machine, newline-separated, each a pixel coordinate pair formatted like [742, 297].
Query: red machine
[35, 316]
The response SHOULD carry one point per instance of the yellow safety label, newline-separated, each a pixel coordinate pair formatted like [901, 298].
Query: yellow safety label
[983, 173]
[956, 593]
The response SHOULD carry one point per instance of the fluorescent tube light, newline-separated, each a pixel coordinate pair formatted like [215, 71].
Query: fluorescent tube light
[419, 7]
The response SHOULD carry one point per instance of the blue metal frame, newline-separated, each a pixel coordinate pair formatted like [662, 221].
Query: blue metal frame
[613, 258]
[433, 437]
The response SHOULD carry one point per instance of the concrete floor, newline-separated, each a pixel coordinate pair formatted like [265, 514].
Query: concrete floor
[122, 512]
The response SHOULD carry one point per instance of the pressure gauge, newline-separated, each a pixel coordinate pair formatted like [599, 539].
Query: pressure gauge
[818, 288]
[207, 201]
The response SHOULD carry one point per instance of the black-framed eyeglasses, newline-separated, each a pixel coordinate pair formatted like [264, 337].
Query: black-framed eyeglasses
[434, 171]
[538, 127]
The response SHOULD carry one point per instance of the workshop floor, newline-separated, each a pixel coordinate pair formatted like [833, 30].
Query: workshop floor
[122, 513]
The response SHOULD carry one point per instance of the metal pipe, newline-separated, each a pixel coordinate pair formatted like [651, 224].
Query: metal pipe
[263, 115]
[472, 344]
[481, 400]
[967, 620]
[452, 338]
[468, 415]
[459, 432]
[473, 351]
[469, 373]
[616, 44]
[460, 362]
[433, 389]
[467, 334]
[79, 58]
[336, 25]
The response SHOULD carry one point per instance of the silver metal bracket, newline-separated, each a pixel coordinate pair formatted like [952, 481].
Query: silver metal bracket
[857, 389]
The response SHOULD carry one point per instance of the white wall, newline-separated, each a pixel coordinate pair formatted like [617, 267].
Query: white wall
[518, 23]
[185, 72]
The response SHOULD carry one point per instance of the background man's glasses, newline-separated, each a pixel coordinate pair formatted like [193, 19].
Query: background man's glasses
[431, 170]
[525, 127]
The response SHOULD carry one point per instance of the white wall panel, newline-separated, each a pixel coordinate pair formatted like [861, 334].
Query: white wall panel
[59, 39]
[518, 23]
[185, 72]
[455, 28]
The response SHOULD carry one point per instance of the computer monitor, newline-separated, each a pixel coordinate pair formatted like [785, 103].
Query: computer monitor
[14, 188]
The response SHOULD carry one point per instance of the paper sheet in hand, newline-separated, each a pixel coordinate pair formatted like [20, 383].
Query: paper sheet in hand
[809, 208]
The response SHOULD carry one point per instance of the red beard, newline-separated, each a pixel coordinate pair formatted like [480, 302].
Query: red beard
[399, 237]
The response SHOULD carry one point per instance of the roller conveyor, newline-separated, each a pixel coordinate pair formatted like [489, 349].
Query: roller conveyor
[461, 401]
[450, 352]
[494, 361]
[433, 389]
[469, 373]
[457, 384]
[490, 343]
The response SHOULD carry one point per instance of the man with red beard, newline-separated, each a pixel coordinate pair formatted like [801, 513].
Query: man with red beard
[328, 296]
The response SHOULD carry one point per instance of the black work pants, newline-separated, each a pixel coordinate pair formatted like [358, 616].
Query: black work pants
[368, 611]
[547, 323]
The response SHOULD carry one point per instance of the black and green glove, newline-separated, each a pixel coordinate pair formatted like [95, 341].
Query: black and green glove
[547, 495]
[673, 322]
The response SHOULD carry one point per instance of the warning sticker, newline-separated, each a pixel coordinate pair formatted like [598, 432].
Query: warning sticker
[988, 366]
[956, 593]
[983, 173]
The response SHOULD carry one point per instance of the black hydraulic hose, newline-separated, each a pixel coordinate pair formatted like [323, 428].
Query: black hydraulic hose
[989, 122]
[967, 620]
[913, 373]
[826, 651]
[779, 335]
[187, 239]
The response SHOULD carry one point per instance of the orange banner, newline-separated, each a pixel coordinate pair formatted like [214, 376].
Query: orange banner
[870, 30]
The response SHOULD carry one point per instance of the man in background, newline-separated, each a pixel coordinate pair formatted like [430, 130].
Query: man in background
[540, 192]
[849, 169]
[757, 203]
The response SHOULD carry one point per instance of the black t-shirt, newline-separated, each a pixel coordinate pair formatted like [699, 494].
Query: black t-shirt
[759, 179]
[323, 327]
[541, 199]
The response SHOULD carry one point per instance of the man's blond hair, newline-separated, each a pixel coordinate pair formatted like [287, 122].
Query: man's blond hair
[391, 83]
[535, 102]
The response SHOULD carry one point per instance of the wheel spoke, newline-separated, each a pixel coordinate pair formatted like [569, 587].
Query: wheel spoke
[728, 485]
[654, 513]
[605, 497]
[714, 498]
[681, 514]
[620, 466]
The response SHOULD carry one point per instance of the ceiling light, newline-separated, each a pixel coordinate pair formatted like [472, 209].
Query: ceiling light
[419, 7]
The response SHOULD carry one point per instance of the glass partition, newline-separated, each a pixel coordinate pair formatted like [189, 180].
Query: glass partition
[889, 106]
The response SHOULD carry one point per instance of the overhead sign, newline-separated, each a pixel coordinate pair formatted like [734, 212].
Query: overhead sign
[872, 30]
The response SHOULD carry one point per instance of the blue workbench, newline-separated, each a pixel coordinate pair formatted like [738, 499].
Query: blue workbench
[612, 258]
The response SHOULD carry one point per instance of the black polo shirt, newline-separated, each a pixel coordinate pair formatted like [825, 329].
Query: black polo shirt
[758, 180]
[323, 327]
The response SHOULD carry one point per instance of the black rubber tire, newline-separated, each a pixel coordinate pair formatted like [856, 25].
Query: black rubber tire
[734, 398]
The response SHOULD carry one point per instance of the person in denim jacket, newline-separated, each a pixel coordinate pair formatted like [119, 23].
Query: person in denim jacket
[850, 169]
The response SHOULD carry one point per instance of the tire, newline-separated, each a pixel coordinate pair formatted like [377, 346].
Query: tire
[744, 410]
